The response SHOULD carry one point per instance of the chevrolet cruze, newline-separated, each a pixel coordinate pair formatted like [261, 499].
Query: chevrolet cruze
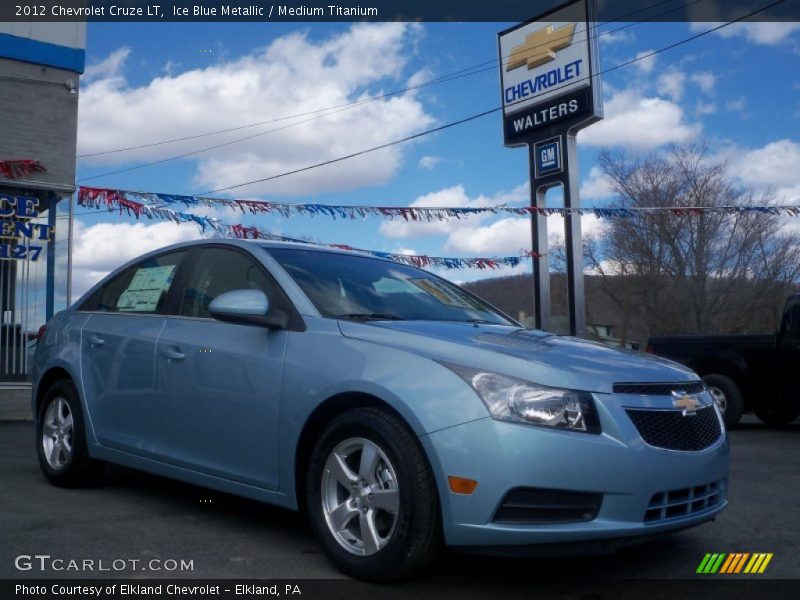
[401, 412]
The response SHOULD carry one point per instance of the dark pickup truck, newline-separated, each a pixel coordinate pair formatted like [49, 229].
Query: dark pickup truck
[745, 373]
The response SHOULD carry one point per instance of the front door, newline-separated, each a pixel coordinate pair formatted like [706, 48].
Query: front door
[218, 384]
[787, 366]
[118, 349]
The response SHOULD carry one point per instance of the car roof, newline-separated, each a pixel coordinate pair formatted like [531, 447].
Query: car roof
[268, 244]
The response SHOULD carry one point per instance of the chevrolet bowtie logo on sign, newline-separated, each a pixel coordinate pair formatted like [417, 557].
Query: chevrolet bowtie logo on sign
[734, 563]
[540, 47]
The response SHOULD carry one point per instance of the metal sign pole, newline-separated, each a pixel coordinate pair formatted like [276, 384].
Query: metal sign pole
[573, 240]
[541, 264]
[550, 90]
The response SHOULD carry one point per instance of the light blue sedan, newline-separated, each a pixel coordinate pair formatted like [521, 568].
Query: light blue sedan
[400, 411]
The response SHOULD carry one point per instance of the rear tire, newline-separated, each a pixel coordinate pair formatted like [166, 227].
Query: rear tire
[728, 397]
[61, 438]
[777, 417]
[372, 498]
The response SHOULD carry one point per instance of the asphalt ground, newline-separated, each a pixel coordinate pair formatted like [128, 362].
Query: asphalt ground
[131, 515]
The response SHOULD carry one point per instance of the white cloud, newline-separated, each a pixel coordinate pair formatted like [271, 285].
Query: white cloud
[99, 249]
[614, 37]
[776, 164]
[672, 83]
[109, 68]
[705, 80]
[771, 169]
[596, 186]
[637, 122]
[510, 235]
[764, 33]
[736, 105]
[705, 108]
[644, 62]
[429, 162]
[506, 236]
[455, 196]
[294, 74]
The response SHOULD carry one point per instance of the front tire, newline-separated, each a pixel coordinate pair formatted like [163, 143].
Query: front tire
[727, 396]
[61, 438]
[372, 498]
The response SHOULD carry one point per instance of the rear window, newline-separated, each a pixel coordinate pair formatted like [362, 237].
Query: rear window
[142, 288]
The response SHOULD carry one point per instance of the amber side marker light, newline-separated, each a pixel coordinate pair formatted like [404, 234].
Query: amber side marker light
[461, 485]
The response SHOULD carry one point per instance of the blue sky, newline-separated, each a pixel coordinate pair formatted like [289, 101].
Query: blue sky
[739, 89]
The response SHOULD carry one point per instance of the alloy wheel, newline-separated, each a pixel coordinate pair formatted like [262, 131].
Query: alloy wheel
[57, 429]
[719, 398]
[360, 496]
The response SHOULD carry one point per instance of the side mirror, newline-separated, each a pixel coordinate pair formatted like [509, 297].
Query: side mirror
[246, 307]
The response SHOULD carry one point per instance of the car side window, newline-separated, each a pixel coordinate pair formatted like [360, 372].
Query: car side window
[790, 327]
[220, 270]
[141, 289]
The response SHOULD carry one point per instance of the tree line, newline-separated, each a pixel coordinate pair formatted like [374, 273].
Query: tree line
[661, 273]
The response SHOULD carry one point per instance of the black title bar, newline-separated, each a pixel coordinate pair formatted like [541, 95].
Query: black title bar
[382, 10]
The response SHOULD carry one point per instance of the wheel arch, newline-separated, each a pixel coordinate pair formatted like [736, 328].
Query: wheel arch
[315, 424]
[732, 371]
[720, 367]
[46, 381]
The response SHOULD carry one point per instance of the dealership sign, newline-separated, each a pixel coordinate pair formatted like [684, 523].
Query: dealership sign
[17, 230]
[550, 90]
[547, 73]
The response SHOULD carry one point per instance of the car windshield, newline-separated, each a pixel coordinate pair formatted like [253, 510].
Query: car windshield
[349, 286]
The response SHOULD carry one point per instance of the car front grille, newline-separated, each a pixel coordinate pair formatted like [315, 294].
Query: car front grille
[658, 389]
[535, 506]
[684, 502]
[672, 430]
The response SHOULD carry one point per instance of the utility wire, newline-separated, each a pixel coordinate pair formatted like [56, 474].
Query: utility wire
[466, 72]
[487, 112]
[481, 114]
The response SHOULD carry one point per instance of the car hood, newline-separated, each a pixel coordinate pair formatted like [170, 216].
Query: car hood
[537, 356]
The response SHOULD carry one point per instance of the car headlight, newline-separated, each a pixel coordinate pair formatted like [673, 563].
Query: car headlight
[510, 399]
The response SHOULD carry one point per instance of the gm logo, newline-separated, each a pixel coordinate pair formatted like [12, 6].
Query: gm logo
[547, 156]
[734, 563]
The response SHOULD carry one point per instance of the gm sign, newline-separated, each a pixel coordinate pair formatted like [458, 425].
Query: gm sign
[547, 156]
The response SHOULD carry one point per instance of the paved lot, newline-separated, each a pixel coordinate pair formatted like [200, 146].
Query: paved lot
[136, 516]
[15, 404]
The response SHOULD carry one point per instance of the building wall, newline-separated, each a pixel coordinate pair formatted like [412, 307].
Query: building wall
[39, 120]
[40, 64]
[59, 45]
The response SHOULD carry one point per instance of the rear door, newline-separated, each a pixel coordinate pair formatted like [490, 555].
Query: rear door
[118, 349]
[218, 384]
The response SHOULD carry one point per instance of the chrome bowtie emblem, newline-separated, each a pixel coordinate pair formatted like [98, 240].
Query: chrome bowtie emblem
[687, 402]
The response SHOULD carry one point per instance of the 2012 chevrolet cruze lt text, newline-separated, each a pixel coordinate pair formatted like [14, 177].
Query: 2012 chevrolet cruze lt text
[400, 411]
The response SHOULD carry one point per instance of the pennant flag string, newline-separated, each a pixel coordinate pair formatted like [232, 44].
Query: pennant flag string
[95, 197]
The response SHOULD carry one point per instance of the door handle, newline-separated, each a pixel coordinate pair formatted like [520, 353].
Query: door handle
[96, 341]
[171, 354]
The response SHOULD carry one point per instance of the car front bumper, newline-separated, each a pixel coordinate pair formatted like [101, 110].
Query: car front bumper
[632, 477]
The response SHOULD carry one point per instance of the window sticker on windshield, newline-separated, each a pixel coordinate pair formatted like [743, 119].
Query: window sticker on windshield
[144, 290]
[445, 294]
